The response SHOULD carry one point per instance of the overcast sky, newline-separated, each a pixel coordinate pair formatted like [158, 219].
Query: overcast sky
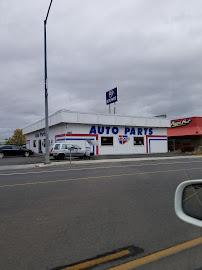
[150, 49]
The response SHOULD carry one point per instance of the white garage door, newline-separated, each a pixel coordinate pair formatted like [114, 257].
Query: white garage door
[158, 146]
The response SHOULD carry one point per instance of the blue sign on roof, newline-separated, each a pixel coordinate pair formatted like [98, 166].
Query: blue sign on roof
[111, 96]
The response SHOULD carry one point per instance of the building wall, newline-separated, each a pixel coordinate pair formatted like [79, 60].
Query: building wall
[155, 139]
[39, 136]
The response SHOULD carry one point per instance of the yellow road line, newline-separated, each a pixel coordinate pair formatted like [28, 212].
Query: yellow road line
[92, 178]
[97, 261]
[158, 255]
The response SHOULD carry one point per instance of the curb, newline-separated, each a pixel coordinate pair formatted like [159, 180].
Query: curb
[52, 164]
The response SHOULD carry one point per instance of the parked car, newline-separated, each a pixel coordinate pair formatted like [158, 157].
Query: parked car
[14, 150]
[63, 150]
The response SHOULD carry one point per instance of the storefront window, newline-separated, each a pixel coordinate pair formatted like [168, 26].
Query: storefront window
[34, 143]
[138, 140]
[107, 141]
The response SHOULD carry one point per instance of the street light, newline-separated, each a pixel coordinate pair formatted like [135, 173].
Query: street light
[47, 160]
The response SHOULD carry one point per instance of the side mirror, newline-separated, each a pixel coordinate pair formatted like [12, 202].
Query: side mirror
[188, 202]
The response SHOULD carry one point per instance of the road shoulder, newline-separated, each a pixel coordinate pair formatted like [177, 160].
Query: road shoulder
[100, 161]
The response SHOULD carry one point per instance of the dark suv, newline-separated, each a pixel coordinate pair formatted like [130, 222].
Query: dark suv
[14, 150]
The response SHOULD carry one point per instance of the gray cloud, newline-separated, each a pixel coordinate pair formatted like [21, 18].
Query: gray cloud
[151, 50]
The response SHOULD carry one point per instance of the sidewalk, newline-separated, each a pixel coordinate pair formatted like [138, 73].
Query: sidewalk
[97, 161]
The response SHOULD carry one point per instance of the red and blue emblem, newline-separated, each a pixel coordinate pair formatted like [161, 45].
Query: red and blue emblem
[123, 139]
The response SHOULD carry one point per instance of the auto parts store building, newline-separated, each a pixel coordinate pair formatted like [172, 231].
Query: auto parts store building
[106, 134]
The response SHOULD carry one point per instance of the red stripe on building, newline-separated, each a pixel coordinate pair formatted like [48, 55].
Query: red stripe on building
[77, 135]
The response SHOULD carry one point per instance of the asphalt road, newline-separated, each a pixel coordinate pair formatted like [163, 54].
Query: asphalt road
[56, 216]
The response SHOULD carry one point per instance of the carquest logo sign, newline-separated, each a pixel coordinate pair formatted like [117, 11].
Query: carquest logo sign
[111, 93]
[123, 139]
[111, 96]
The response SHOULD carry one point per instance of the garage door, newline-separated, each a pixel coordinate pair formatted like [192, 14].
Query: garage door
[157, 145]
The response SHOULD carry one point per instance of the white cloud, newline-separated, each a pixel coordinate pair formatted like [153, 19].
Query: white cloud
[152, 50]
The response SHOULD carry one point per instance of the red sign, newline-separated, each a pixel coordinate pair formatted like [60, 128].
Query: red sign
[191, 126]
[180, 123]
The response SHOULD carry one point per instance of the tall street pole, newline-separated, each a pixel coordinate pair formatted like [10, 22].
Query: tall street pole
[47, 159]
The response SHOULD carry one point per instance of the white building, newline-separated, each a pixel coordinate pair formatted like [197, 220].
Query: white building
[106, 134]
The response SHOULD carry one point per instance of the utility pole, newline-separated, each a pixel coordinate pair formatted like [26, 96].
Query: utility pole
[47, 159]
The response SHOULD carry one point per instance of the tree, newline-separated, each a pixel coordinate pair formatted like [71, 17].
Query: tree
[18, 138]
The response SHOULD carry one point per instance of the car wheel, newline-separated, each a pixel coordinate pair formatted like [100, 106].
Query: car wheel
[26, 154]
[1, 155]
[61, 156]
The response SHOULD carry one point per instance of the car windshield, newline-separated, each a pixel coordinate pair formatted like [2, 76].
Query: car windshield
[100, 122]
[57, 146]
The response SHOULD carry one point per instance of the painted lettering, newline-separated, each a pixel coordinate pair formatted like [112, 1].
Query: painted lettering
[107, 130]
[115, 130]
[145, 131]
[140, 131]
[93, 130]
[127, 130]
[101, 130]
[132, 132]
[151, 131]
